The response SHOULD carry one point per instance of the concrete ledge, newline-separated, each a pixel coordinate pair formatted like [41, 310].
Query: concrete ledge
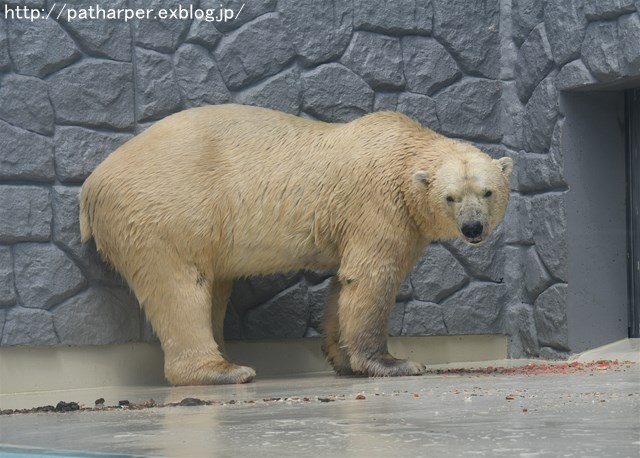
[34, 369]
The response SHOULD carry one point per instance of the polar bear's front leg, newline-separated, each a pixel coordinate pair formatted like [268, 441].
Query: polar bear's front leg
[335, 353]
[364, 307]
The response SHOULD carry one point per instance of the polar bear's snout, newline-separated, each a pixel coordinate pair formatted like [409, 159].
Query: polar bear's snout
[473, 231]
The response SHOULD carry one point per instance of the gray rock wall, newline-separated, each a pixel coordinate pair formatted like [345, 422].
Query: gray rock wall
[487, 72]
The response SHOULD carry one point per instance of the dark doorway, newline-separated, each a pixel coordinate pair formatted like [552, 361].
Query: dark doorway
[632, 140]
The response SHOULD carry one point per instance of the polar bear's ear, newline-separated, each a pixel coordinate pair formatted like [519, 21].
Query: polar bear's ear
[505, 164]
[422, 178]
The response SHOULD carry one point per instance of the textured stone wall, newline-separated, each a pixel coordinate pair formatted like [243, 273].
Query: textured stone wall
[487, 72]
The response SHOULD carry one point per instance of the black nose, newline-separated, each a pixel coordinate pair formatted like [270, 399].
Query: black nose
[472, 230]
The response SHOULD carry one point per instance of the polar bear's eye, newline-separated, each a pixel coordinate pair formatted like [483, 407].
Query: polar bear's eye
[488, 194]
[450, 199]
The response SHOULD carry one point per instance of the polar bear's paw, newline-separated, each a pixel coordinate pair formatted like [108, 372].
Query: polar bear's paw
[210, 373]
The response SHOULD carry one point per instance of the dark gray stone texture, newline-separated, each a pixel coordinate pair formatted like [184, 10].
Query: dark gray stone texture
[526, 14]
[477, 50]
[281, 92]
[608, 9]
[198, 77]
[255, 50]
[100, 315]
[31, 214]
[7, 290]
[429, 67]
[565, 23]
[488, 72]
[551, 318]
[99, 37]
[44, 275]
[539, 118]
[25, 326]
[162, 35]
[470, 109]
[25, 155]
[377, 59]
[533, 63]
[157, 92]
[419, 108]
[319, 31]
[39, 48]
[332, 92]
[94, 93]
[393, 17]
[25, 104]
[78, 151]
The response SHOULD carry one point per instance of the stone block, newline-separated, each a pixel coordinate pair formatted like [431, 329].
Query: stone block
[5, 60]
[574, 75]
[78, 151]
[534, 62]
[319, 31]
[420, 108]
[536, 278]
[428, 65]
[250, 292]
[600, 50]
[333, 93]
[551, 317]
[7, 290]
[157, 91]
[393, 17]
[99, 37]
[255, 50]
[25, 103]
[539, 119]
[608, 9]
[39, 48]
[249, 11]
[475, 309]
[25, 155]
[163, 34]
[521, 329]
[25, 326]
[629, 35]
[537, 172]
[387, 101]
[517, 224]
[95, 93]
[437, 275]
[198, 77]
[98, 316]
[376, 58]
[423, 319]
[44, 275]
[477, 50]
[511, 112]
[549, 229]
[203, 33]
[470, 109]
[485, 262]
[26, 214]
[281, 92]
[284, 316]
[565, 23]
[526, 14]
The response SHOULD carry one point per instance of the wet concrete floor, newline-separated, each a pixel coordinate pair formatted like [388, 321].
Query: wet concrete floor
[578, 412]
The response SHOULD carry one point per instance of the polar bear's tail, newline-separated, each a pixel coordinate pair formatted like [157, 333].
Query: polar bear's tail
[85, 221]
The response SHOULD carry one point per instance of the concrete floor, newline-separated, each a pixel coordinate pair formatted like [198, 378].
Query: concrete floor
[589, 413]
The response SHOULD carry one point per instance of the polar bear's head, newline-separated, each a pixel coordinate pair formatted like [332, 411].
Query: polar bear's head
[468, 194]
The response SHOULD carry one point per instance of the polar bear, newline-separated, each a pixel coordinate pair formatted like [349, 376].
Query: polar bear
[214, 193]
